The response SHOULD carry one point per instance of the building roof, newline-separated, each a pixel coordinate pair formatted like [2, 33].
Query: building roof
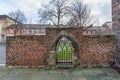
[102, 30]
[6, 16]
[36, 25]
[96, 28]
[13, 26]
[29, 26]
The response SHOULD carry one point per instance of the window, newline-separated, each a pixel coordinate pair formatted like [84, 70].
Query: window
[3, 28]
[32, 31]
[37, 31]
[27, 31]
[42, 30]
[91, 31]
[0, 28]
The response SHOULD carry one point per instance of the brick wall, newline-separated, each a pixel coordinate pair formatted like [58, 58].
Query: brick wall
[26, 50]
[116, 28]
[97, 50]
[116, 14]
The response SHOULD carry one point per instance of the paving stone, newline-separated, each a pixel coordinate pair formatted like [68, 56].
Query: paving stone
[58, 74]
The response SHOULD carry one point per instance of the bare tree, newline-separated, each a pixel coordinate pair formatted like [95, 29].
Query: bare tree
[18, 15]
[79, 14]
[54, 12]
[19, 19]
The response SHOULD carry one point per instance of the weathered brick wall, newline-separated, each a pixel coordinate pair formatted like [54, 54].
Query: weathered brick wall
[97, 50]
[116, 14]
[117, 49]
[116, 28]
[26, 51]
[52, 33]
[33, 50]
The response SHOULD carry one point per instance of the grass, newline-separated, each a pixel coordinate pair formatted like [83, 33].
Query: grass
[65, 53]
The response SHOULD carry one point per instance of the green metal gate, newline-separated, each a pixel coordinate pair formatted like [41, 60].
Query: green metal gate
[64, 51]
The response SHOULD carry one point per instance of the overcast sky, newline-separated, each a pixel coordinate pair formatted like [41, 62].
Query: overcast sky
[101, 9]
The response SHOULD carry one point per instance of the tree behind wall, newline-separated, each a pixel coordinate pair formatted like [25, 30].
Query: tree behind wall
[18, 15]
[80, 14]
[19, 18]
[54, 12]
[73, 13]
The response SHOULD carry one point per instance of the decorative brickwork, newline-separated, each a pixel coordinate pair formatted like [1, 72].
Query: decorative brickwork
[116, 28]
[117, 52]
[116, 14]
[97, 50]
[34, 50]
[26, 51]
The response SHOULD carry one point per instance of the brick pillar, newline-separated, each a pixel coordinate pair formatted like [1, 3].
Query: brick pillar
[116, 15]
[51, 58]
[117, 45]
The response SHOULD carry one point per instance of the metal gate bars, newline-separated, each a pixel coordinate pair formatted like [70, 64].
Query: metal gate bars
[64, 51]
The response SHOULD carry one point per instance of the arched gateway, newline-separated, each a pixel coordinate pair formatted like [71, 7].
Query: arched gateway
[66, 48]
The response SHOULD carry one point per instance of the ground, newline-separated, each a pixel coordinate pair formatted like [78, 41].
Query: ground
[58, 74]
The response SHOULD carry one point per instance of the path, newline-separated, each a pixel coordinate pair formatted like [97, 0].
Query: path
[58, 74]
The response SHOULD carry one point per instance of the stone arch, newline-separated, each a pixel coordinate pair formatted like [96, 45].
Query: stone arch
[68, 36]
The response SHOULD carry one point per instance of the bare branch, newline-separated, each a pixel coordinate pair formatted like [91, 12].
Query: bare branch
[19, 18]
[79, 13]
[54, 12]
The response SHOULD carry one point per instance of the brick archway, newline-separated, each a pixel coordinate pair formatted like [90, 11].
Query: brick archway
[71, 38]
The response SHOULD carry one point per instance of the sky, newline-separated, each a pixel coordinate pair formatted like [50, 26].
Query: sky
[100, 9]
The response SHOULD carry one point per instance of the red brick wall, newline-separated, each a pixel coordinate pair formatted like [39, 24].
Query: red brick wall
[97, 50]
[116, 14]
[26, 51]
[32, 50]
